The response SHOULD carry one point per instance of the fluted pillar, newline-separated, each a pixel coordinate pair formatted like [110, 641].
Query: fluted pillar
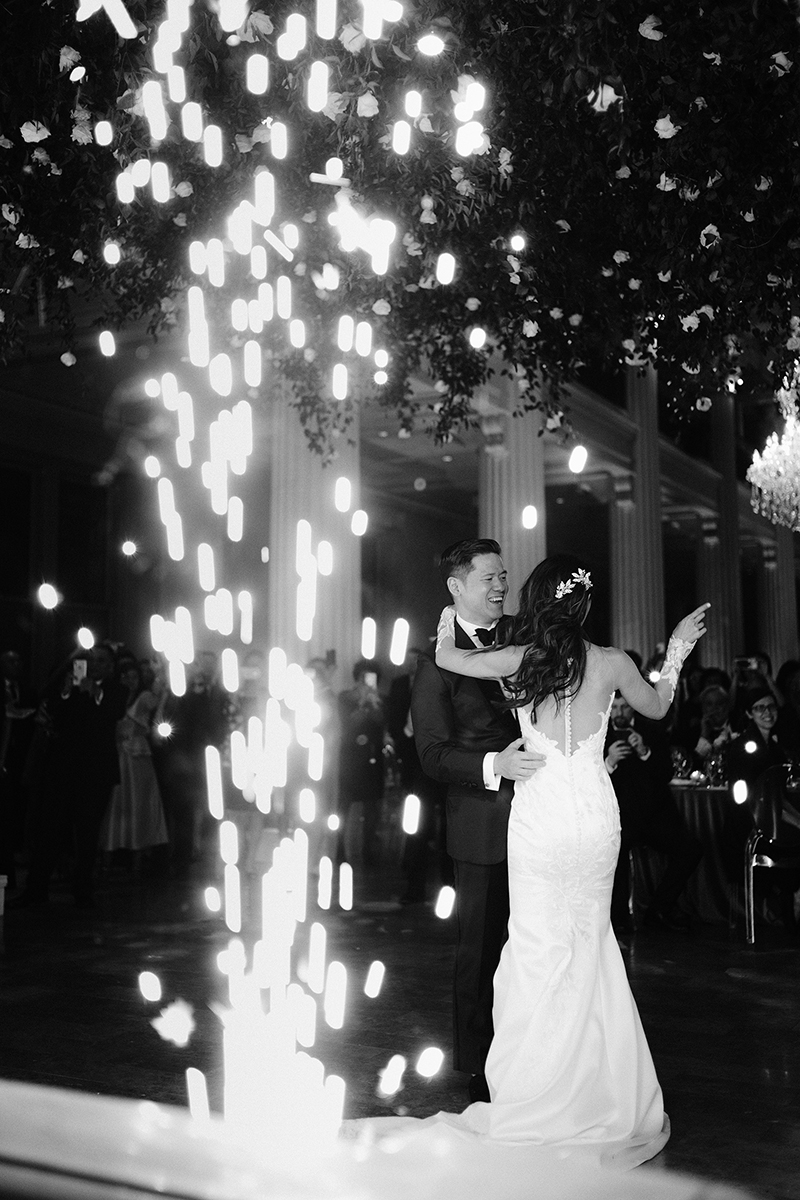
[641, 616]
[511, 477]
[300, 488]
[716, 648]
[627, 618]
[728, 614]
[777, 603]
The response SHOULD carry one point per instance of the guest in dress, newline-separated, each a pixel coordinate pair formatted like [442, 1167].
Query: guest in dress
[135, 818]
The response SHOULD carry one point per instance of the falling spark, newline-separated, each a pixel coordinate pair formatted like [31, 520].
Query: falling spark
[245, 604]
[307, 805]
[359, 522]
[150, 986]
[108, 346]
[326, 19]
[430, 1061]
[577, 459]
[192, 123]
[230, 669]
[335, 994]
[345, 887]
[214, 782]
[197, 1094]
[325, 883]
[369, 633]
[342, 497]
[257, 74]
[401, 137]
[213, 899]
[235, 519]
[391, 1077]
[529, 516]
[445, 902]
[212, 145]
[233, 898]
[411, 813]
[374, 981]
[445, 268]
[397, 651]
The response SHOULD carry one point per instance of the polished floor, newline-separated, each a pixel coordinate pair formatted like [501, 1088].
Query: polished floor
[723, 1021]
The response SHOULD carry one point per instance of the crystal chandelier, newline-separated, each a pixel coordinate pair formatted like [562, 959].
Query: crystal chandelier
[775, 473]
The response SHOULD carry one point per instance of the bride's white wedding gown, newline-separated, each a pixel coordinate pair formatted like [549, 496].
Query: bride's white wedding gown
[569, 1064]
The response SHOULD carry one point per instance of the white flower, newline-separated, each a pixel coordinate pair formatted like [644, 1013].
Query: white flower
[81, 133]
[79, 257]
[515, 279]
[41, 156]
[513, 262]
[700, 102]
[714, 179]
[473, 304]
[575, 320]
[26, 242]
[309, 217]
[257, 25]
[352, 38]
[336, 105]
[184, 188]
[607, 271]
[623, 173]
[556, 313]
[749, 216]
[564, 226]
[413, 247]
[2, 316]
[504, 162]
[634, 284]
[427, 282]
[667, 183]
[381, 308]
[665, 276]
[707, 311]
[175, 1023]
[64, 282]
[689, 193]
[68, 359]
[665, 128]
[690, 323]
[714, 276]
[602, 97]
[244, 144]
[425, 125]
[34, 131]
[68, 58]
[5, 143]
[764, 183]
[781, 64]
[621, 256]
[465, 188]
[648, 29]
[709, 236]
[793, 343]
[530, 328]
[459, 94]
[261, 133]
[428, 217]
[629, 344]
[367, 104]
[703, 403]
[553, 422]
[690, 369]
[54, 170]
[10, 214]
[712, 57]
[179, 220]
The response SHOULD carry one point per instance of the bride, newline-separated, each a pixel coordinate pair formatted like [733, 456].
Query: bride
[569, 1067]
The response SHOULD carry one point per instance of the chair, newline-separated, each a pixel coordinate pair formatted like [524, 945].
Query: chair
[764, 849]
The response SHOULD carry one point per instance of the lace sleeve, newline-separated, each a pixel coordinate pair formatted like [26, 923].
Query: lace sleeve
[678, 651]
[446, 627]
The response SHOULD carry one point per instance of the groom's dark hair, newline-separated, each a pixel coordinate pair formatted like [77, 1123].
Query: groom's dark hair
[457, 559]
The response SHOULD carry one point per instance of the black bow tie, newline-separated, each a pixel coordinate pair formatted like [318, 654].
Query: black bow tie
[485, 636]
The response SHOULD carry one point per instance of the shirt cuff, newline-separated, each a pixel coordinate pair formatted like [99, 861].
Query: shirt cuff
[490, 779]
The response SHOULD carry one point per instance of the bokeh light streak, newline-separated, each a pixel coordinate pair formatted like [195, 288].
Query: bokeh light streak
[325, 884]
[197, 1096]
[150, 986]
[335, 994]
[244, 603]
[257, 74]
[235, 528]
[374, 980]
[445, 902]
[233, 898]
[345, 886]
[399, 643]
[214, 782]
[390, 1079]
[411, 814]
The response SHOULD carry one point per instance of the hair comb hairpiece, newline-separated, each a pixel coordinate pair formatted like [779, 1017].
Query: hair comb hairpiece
[568, 585]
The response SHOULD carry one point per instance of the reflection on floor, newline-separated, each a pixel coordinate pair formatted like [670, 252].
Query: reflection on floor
[723, 1021]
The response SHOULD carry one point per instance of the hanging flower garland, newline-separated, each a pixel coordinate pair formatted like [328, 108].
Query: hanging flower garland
[622, 193]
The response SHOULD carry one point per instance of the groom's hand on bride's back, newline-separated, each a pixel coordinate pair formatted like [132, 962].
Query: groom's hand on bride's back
[515, 762]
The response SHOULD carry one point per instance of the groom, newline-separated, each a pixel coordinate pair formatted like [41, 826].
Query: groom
[467, 740]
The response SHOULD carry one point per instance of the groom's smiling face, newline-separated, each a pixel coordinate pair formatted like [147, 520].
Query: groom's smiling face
[480, 594]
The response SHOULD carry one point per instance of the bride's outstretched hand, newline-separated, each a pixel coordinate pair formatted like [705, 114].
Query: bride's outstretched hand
[692, 627]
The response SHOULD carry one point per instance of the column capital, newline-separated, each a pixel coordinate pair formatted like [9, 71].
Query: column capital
[623, 491]
[709, 527]
[769, 555]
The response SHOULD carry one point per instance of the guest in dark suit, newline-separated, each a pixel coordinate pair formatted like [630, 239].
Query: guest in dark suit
[430, 792]
[469, 740]
[82, 769]
[638, 759]
[362, 724]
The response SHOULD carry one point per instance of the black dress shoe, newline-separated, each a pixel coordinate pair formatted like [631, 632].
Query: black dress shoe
[478, 1089]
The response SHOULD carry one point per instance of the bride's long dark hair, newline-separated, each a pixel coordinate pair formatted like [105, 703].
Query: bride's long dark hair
[550, 627]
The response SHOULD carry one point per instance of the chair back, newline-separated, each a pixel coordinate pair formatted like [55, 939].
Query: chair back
[765, 801]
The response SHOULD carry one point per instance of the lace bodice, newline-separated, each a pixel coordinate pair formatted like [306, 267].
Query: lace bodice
[590, 744]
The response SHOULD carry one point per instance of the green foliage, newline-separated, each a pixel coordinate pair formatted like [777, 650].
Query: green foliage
[677, 249]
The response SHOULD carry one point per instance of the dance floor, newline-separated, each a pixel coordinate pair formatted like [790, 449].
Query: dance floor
[723, 1021]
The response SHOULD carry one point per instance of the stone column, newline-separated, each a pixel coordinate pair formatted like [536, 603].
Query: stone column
[300, 488]
[716, 648]
[627, 618]
[511, 477]
[777, 603]
[643, 618]
[728, 613]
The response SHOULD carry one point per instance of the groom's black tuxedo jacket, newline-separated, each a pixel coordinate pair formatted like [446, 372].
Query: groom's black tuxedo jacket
[456, 723]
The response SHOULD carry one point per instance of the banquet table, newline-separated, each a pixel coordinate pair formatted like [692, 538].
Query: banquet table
[715, 892]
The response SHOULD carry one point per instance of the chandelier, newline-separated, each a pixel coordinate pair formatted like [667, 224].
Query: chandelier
[775, 473]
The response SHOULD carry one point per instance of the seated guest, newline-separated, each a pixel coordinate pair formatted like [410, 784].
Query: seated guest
[787, 726]
[750, 756]
[638, 760]
[715, 726]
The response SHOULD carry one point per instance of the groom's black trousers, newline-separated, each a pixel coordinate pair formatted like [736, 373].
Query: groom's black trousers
[482, 913]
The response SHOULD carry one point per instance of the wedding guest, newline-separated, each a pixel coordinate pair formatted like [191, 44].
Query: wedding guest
[787, 726]
[362, 735]
[638, 759]
[135, 820]
[715, 726]
[16, 734]
[81, 773]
